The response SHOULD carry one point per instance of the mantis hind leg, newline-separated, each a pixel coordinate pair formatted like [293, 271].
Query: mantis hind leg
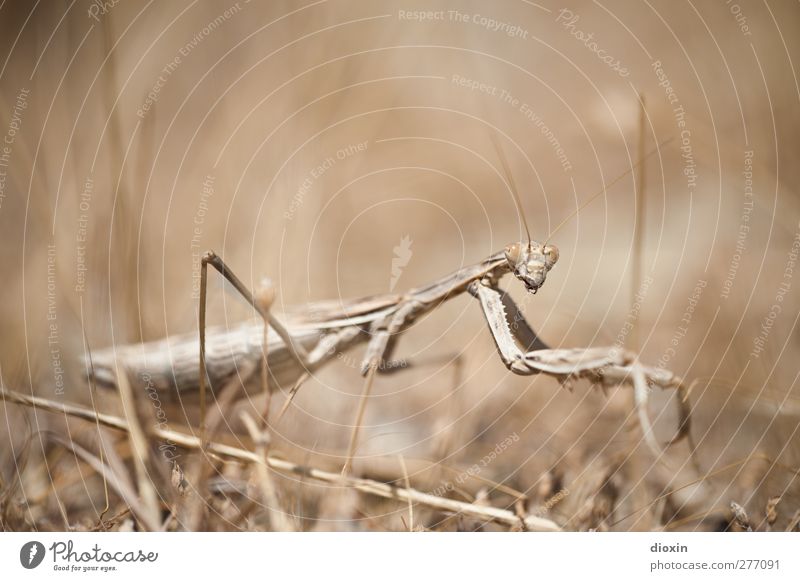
[261, 302]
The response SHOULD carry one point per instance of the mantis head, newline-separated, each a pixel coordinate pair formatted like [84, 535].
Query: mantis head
[530, 262]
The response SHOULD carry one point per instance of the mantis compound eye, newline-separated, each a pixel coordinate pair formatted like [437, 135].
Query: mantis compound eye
[550, 256]
[512, 254]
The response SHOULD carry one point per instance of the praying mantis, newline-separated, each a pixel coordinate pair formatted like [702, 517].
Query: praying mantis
[289, 351]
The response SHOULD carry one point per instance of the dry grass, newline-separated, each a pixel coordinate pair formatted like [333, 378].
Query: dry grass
[252, 111]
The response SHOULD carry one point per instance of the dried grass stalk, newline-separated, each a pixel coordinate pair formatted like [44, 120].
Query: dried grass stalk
[363, 485]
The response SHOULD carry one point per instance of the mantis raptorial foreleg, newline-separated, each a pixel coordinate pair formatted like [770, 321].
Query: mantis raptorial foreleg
[362, 406]
[495, 313]
[329, 343]
[601, 365]
[378, 348]
[520, 328]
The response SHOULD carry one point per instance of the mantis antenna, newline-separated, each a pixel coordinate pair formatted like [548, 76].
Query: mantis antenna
[511, 184]
[605, 187]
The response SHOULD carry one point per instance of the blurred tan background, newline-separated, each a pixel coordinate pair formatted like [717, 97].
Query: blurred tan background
[306, 141]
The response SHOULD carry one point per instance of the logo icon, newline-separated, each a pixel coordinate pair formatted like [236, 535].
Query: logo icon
[31, 554]
[402, 256]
